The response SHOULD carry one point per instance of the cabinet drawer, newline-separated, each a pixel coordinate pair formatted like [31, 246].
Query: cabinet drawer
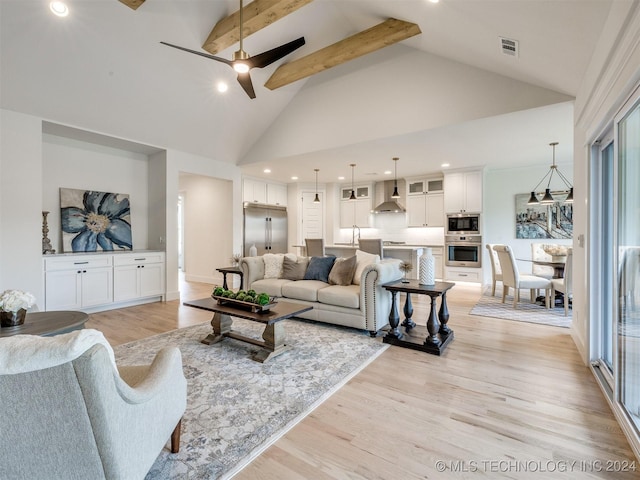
[82, 261]
[463, 275]
[141, 258]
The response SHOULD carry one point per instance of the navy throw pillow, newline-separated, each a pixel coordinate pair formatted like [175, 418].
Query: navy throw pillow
[319, 268]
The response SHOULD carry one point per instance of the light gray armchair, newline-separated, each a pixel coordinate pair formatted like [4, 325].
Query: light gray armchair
[84, 419]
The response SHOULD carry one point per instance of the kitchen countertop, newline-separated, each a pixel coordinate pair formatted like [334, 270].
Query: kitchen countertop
[386, 247]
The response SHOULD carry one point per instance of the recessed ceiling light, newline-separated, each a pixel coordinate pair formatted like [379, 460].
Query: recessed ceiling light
[445, 165]
[340, 178]
[294, 178]
[222, 87]
[59, 8]
[388, 172]
[434, 1]
[267, 170]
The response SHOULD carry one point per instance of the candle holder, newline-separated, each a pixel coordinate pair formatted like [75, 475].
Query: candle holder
[46, 243]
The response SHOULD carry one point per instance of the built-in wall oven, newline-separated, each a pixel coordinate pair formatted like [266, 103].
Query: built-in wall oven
[463, 250]
[463, 224]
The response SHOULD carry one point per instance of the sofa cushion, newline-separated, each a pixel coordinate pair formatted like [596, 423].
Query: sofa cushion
[342, 271]
[319, 268]
[340, 295]
[273, 265]
[303, 290]
[362, 260]
[270, 286]
[293, 269]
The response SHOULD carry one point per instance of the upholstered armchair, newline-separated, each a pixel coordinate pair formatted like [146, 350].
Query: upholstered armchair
[69, 413]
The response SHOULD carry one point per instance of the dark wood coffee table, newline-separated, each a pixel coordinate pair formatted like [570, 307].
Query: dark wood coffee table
[437, 334]
[47, 324]
[274, 333]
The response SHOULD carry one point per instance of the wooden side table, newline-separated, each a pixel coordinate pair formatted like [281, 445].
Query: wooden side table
[437, 335]
[47, 324]
[233, 270]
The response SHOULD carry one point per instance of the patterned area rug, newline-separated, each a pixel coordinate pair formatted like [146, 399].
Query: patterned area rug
[237, 407]
[489, 306]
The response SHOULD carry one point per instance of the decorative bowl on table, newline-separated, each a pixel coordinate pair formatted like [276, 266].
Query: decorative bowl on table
[558, 252]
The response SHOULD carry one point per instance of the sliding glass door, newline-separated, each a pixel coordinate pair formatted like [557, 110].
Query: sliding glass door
[628, 249]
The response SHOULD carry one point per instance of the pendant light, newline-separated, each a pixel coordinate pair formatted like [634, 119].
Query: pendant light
[353, 190]
[317, 199]
[395, 193]
[548, 199]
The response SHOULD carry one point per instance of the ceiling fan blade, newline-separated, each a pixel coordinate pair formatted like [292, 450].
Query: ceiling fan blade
[245, 81]
[206, 55]
[267, 58]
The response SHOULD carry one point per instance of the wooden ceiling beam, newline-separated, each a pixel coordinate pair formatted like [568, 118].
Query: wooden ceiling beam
[132, 3]
[382, 35]
[257, 15]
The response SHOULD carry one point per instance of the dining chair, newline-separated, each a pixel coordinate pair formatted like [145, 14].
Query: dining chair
[496, 271]
[564, 285]
[315, 247]
[511, 278]
[538, 253]
[371, 245]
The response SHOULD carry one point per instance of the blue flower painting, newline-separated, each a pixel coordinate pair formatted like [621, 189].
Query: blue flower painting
[93, 221]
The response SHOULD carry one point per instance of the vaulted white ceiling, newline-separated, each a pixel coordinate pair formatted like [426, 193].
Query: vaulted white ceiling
[447, 94]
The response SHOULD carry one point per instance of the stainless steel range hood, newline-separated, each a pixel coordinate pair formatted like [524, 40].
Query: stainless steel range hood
[390, 205]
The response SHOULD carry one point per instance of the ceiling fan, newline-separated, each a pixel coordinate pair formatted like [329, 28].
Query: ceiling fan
[242, 62]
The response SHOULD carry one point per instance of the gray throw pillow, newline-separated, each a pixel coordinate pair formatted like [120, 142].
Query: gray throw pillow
[319, 268]
[294, 270]
[342, 271]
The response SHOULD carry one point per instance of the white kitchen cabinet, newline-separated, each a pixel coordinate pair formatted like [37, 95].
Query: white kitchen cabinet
[425, 210]
[356, 212]
[421, 186]
[254, 191]
[138, 276]
[463, 192]
[438, 255]
[276, 194]
[462, 274]
[73, 283]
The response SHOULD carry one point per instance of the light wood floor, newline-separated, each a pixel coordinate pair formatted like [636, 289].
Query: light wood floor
[506, 397]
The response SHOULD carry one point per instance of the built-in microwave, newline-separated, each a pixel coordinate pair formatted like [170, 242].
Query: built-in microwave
[463, 224]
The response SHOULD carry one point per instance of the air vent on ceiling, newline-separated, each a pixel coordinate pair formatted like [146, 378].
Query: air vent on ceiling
[509, 46]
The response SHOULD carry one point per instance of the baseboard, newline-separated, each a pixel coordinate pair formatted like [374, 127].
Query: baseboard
[201, 278]
[175, 295]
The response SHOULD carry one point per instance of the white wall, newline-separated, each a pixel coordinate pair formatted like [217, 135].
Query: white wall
[21, 204]
[499, 210]
[68, 163]
[208, 243]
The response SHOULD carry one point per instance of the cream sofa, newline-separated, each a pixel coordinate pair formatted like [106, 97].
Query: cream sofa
[365, 306]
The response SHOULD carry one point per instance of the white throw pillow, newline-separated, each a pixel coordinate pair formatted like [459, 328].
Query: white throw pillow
[273, 265]
[362, 260]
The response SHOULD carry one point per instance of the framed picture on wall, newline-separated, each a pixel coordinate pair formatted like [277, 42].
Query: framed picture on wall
[94, 221]
[544, 221]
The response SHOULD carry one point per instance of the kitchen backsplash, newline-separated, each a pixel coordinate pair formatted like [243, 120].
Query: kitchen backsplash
[393, 227]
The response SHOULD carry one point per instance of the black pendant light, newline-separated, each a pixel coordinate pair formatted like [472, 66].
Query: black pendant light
[395, 193]
[353, 191]
[548, 198]
[317, 199]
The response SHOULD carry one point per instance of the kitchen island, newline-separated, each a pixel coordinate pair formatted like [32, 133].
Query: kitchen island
[406, 253]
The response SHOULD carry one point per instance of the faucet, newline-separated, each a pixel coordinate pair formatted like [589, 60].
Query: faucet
[353, 234]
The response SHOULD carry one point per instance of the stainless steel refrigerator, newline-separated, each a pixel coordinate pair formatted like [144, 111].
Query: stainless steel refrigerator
[265, 226]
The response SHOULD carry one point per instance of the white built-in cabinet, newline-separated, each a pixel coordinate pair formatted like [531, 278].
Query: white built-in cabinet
[258, 191]
[463, 192]
[100, 281]
[356, 212]
[138, 276]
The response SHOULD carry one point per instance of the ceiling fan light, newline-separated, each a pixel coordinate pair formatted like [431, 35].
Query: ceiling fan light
[548, 198]
[240, 67]
[533, 200]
